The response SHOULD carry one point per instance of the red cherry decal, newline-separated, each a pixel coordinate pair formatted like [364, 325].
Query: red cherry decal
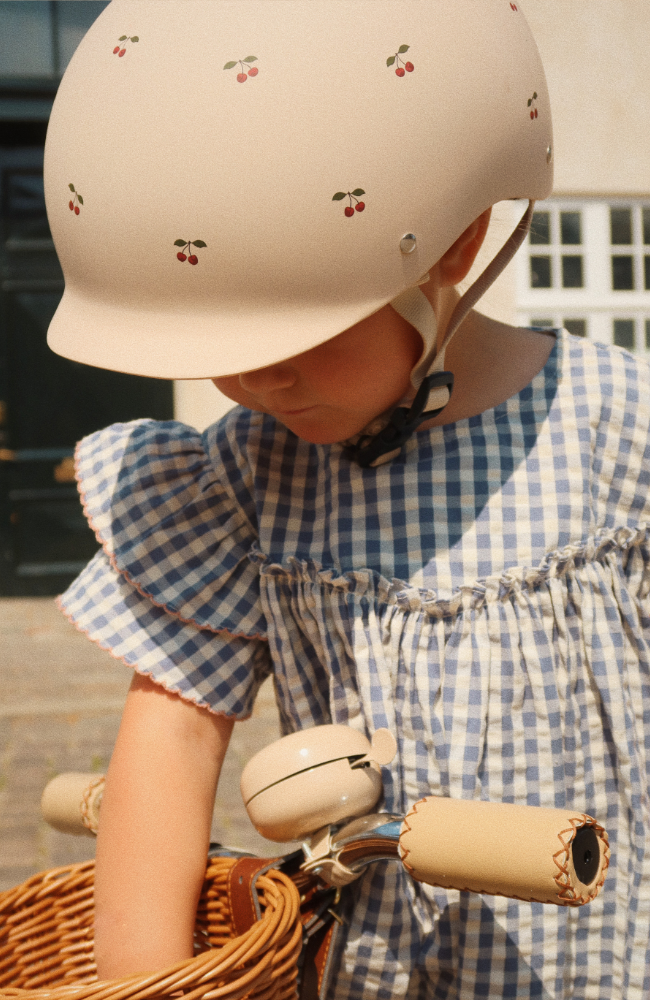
[532, 114]
[76, 210]
[245, 69]
[70, 205]
[122, 51]
[535, 112]
[186, 247]
[360, 206]
[349, 211]
[401, 67]
[116, 49]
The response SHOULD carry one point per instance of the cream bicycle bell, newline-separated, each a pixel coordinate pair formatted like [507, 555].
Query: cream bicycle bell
[313, 778]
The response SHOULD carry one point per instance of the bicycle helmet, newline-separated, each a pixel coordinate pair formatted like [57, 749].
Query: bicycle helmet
[230, 184]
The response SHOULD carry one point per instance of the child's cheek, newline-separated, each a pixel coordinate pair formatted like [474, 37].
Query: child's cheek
[229, 385]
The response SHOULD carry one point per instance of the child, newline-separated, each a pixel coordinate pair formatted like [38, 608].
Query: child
[469, 571]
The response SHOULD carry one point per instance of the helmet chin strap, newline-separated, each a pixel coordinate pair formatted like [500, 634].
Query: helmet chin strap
[382, 440]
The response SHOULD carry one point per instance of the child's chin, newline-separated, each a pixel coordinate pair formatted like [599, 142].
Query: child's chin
[315, 433]
[314, 437]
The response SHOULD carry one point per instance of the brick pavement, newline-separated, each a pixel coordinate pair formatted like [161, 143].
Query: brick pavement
[60, 704]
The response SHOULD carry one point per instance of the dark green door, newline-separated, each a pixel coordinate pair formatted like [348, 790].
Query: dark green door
[46, 402]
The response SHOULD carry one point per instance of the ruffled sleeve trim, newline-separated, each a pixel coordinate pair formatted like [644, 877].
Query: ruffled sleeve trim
[210, 670]
[153, 497]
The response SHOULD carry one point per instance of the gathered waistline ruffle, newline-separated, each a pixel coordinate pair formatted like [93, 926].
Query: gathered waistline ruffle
[517, 580]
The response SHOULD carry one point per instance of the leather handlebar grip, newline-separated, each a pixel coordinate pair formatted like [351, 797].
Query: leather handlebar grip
[524, 852]
[70, 802]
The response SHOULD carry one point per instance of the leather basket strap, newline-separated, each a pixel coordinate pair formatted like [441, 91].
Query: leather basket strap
[321, 928]
[242, 894]
[317, 949]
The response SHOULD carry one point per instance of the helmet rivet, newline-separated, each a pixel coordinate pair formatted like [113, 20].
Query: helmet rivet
[549, 154]
[407, 243]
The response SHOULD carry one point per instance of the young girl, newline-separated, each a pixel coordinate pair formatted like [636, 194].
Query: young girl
[283, 196]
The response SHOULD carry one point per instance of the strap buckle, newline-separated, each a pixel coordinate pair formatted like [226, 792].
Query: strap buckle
[403, 422]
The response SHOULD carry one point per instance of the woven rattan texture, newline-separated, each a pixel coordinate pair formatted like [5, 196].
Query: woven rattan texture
[46, 945]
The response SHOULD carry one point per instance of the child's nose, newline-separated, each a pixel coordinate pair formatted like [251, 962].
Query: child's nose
[263, 380]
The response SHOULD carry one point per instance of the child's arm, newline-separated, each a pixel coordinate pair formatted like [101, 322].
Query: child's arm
[155, 829]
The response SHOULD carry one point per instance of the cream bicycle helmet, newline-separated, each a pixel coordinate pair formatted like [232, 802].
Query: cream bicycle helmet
[230, 184]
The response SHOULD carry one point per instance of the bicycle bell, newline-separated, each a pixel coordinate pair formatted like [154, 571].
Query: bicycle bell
[314, 777]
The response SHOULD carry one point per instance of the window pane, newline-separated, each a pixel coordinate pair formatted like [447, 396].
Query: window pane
[621, 224]
[624, 333]
[646, 225]
[572, 272]
[540, 272]
[647, 335]
[622, 274]
[570, 227]
[25, 205]
[73, 21]
[542, 324]
[540, 229]
[646, 268]
[578, 327]
[26, 38]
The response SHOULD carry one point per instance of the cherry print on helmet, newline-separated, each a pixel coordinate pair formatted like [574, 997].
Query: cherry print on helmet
[402, 67]
[74, 203]
[513, 6]
[243, 75]
[354, 197]
[187, 245]
[120, 50]
[532, 105]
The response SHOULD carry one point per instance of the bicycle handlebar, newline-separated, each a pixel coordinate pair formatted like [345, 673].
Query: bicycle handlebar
[530, 853]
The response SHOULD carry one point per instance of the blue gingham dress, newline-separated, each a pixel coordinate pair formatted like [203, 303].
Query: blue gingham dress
[484, 596]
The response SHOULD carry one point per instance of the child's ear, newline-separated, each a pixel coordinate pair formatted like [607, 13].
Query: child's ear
[455, 264]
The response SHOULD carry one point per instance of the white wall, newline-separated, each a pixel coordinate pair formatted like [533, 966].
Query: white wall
[199, 403]
[596, 54]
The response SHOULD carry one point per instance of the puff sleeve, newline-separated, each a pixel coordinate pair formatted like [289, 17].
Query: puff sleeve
[173, 592]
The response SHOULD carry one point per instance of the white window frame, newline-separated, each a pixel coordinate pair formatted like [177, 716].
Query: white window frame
[596, 302]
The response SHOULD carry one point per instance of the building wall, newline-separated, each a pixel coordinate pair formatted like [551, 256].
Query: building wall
[597, 59]
[199, 403]
[598, 66]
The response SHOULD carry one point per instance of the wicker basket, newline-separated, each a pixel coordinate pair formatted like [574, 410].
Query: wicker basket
[46, 944]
